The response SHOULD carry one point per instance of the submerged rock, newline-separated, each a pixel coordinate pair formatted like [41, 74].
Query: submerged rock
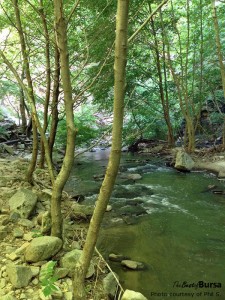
[132, 176]
[133, 265]
[117, 257]
[131, 191]
[132, 210]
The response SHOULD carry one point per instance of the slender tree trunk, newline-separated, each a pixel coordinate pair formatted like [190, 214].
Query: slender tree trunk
[171, 139]
[48, 79]
[165, 105]
[181, 84]
[22, 106]
[55, 100]
[61, 35]
[115, 154]
[31, 98]
[220, 56]
[32, 165]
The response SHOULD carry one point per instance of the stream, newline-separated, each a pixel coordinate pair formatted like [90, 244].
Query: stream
[168, 220]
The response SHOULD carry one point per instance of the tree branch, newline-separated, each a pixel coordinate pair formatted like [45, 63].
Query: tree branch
[147, 20]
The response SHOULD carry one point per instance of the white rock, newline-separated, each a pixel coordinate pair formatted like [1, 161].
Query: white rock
[131, 295]
[68, 295]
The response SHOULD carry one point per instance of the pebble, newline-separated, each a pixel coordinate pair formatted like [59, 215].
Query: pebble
[108, 208]
[26, 223]
[2, 283]
[12, 256]
[35, 270]
[22, 248]
[28, 236]
[69, 281]
[35, 281]
[18, 233]
[68, 296]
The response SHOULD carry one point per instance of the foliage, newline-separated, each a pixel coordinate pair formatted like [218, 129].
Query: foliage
[91, 58]
[85, 123]
[36, 233]
[47, 278]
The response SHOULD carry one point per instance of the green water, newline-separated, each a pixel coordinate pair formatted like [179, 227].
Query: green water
[181, 239]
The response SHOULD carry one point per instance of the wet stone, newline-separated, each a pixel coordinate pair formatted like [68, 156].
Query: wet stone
[133, 265]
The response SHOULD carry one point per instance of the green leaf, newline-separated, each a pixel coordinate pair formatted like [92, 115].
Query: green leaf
[47, 291]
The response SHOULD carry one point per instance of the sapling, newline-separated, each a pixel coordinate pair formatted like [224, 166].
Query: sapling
[48, 279]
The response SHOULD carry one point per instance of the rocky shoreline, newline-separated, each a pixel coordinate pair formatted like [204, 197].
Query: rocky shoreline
[27, 252]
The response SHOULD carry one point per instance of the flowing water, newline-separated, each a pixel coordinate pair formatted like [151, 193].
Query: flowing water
[181, 239]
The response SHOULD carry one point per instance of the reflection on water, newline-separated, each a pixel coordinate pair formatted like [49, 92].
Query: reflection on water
[181, 239]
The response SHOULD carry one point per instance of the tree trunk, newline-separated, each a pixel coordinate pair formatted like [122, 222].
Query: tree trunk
[220, 56]
[115, 154]
[48, 79]
[55, 100]
[30, 90]
[22, 107]
[181, 85]
[31, 98]
[164, 100]
[61, 35]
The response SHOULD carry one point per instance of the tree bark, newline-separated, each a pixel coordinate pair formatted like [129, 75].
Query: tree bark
[220, 56]
[32, 165]
[55, 100]
[61, 36]
[164, 100]
[115, 153]
[48, 79]
[22, 106]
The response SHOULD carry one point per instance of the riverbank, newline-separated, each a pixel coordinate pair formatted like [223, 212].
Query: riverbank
[21, 277]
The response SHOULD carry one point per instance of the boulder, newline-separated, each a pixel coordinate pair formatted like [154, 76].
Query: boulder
[110, 285]
[183, 161]
[19, 276]
[133, 265]
[131, 295]
[42, 248]
[70, 259]
[8, 149]
[23, 202]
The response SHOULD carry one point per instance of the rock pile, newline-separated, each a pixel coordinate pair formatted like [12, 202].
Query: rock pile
[25, 250]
